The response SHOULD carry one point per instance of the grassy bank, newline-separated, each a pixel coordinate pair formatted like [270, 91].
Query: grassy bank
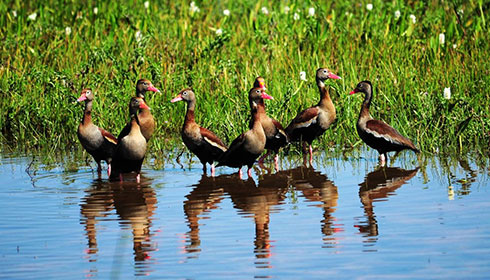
[52, 49]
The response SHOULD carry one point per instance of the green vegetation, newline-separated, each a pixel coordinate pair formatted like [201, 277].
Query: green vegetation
[52, 49]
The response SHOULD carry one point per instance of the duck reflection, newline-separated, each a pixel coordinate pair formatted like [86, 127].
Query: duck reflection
[252, 201]
[135, 204]
[378, 185]
[316, 187]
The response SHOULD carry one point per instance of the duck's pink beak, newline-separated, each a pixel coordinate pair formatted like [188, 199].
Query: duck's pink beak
[82, 97]
[333, 76]
[354, 91]
[266, 96]
[144, 106]
[152, 88]
[177, 98]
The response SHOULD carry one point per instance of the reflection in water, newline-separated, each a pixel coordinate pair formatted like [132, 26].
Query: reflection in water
[377, 186]
[251, 200]
[316, 187]
[134, 203]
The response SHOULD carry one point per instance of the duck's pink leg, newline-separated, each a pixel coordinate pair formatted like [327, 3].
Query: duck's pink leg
[249, 173]
[311, 155]
[109, 170]
[276, 162]
[138, 178]
[213, 170]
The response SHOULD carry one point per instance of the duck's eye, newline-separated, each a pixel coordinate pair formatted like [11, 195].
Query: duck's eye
[324, 71]
[88, 92]
[257, 91]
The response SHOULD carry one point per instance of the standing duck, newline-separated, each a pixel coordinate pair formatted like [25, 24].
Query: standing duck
[275, 135]
[95, 140]
[146, 120]
[131, 148]
[312, 122]
[377, 134]
[247, 147]
[199, 140]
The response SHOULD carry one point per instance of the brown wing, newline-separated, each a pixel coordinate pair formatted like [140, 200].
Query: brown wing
[107, 135]
[277, 124]
[235, 145]
[212, 139]
[305, 118]
[381, 129]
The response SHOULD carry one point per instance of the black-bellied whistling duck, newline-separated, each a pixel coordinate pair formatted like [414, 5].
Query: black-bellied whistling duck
[275, 135]
[312, 122]
[247, 147]
[199, 140]
[131, 148]
[145, 118]
[377, 134]
[95, 140]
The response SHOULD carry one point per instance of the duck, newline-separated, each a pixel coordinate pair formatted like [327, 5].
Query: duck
[247, 147]
[275, 134]
[199, 140]
[314, 121]
[146, 120]
[99, 143]
[131, 148]
[375, 133]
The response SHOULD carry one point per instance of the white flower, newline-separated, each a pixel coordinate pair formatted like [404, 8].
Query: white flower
[14, 13]
[455, 46]
[447, 93]
[397, 14]
[311, 11]
[68, 31]
[226, 12]
[265, 11]
[413, 18]
[96, 10]
[442, 38]
[302, 75]
[138, 36]
[369, 7]
[219, 31]
[296, 16]
[193, 8]
[286, 9]
[32, 16]
[147, 4]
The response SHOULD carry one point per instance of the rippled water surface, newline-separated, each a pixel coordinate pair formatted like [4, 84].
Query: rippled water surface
[341, 218]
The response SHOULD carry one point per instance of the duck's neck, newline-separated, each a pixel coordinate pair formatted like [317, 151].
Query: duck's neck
[189, 116]
[325, 100]
[140, 93]
[87, 113]
[256, 114]
[364, 114]
[135, 126]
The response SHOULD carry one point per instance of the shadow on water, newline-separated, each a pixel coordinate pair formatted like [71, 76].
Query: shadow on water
[134, 203]
[378, 186]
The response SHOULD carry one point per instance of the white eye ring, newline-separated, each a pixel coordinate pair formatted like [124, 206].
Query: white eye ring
[325, 71]
[88, 92]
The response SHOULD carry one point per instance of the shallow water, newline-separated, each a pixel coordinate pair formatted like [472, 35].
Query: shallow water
[343, 218]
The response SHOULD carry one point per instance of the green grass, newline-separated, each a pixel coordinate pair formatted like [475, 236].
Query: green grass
[43, 68]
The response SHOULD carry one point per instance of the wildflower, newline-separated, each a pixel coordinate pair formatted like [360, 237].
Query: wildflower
[96, 10]
[455, 46]
[442, 38]
[14, 13]
[302, 75]
[193, 8]
[68, 31]
[296, 16]
[219, 31]
[32, 16]
[447, 93]
[286, 9]
[397, 14]
[147, 4]
[413, 18]
[226, 12]
[265, 11]
[369, 7]
[138, 36]
[311, 11]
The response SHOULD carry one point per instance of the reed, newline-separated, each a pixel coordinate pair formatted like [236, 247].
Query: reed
[48, 58]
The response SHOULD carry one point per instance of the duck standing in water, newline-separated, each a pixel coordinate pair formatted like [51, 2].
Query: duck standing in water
[247, 147]
[275, 135]
[131, 147]
[375, 133]
[96, 141]
[199, 140]
[314, 121]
